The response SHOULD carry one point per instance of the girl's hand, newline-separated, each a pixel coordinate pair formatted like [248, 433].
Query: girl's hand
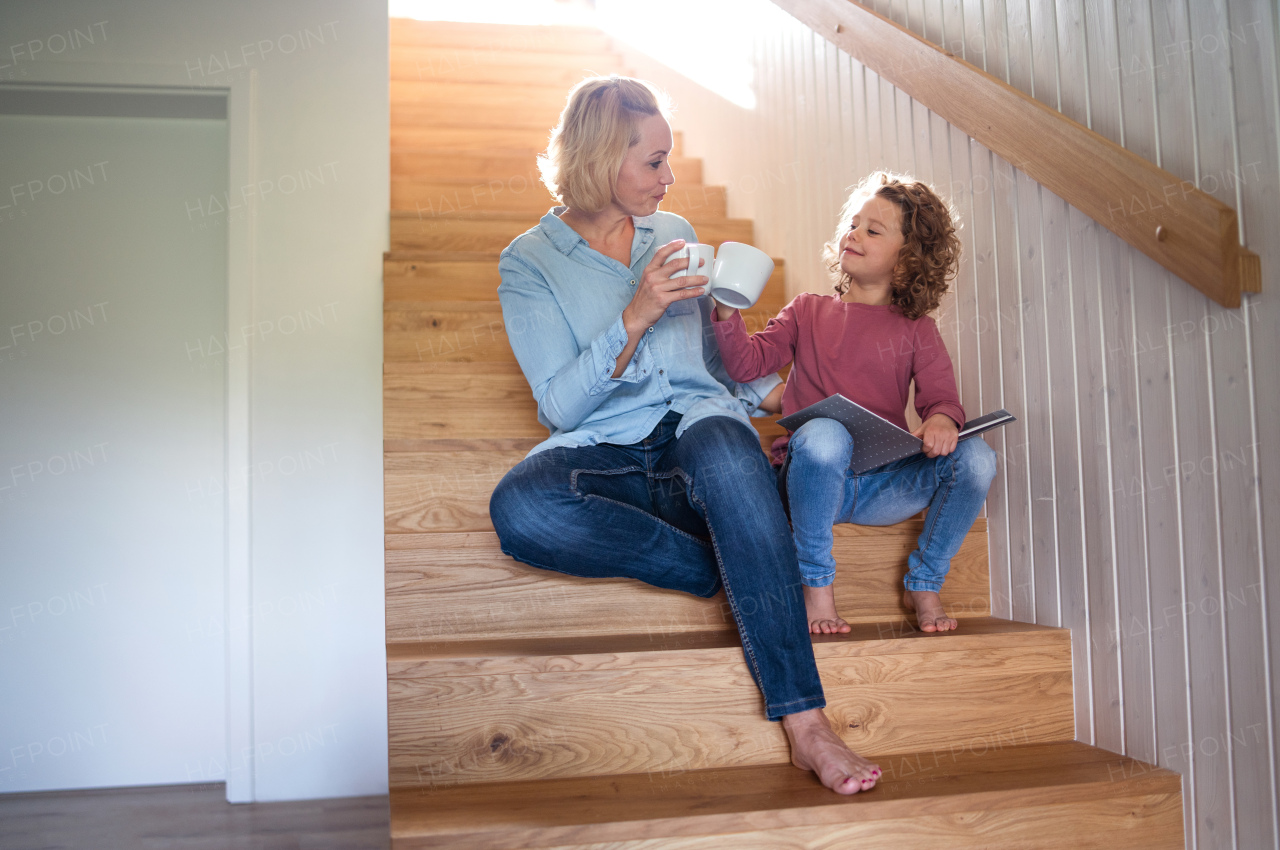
[939, 434]
[724, 313]
[656, 291]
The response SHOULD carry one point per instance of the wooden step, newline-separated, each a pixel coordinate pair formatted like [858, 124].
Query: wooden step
[409, 276]
[434, 400]
[988, 794]
[602, 704]
[431, 276]
[483, 166]
[429, 197]
[492, 231]
[478, 115]
[514, 140]
[460, 587]
[462, 97]
[474, 331]
[487, 38]
[500, 67]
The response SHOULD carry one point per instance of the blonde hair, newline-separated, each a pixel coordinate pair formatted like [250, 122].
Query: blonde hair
[930, 249]
[598, 125]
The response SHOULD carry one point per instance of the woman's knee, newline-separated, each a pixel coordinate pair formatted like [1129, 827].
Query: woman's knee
[822, 441]
[521, 501]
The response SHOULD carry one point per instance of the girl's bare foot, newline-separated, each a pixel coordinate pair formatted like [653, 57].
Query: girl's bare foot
[820, 604]
[930, 614]
[815, 747]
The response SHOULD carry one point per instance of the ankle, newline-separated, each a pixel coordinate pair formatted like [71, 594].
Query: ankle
[801, 721]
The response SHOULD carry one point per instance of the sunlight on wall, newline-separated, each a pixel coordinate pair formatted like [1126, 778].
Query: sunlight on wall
[708, 41]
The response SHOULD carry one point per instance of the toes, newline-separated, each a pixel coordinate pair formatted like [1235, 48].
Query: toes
[848, 785]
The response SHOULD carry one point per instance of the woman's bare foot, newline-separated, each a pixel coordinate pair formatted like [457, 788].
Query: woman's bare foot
[815, 747]
[820, 604]
[930, 614]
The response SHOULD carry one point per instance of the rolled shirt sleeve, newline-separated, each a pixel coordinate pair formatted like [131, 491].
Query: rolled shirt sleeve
[567, 385]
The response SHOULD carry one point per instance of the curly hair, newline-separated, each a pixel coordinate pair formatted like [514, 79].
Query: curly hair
[930, 249]
[601, 120]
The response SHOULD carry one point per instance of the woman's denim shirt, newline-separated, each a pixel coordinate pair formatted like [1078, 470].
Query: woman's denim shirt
[562, 304]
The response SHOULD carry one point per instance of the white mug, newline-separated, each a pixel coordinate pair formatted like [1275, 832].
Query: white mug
[700, 255]
[739, 274]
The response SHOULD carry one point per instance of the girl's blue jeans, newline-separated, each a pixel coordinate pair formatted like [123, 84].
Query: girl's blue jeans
[822, 491]
[694, 514]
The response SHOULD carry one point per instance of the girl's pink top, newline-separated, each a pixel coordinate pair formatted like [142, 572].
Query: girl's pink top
[866, 353]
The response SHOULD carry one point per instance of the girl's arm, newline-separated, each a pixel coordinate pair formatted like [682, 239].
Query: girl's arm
[936, 394]
[750, 356]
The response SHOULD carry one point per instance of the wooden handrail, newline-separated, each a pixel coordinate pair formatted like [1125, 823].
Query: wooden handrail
[1189, 232]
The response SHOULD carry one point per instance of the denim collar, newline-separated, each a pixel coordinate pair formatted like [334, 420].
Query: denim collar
[564, 238]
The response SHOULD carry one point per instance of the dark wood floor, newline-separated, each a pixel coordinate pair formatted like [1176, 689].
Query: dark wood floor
[187, 817]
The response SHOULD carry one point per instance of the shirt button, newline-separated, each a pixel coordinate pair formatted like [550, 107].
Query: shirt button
[633, 283]
[662, 372]
[650, 330]
[668, 403]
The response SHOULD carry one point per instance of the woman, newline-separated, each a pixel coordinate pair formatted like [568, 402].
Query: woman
[653, 470]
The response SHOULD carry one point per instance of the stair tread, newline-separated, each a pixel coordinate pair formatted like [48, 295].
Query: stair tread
[603, 651]
[715, 800]
[513, 215]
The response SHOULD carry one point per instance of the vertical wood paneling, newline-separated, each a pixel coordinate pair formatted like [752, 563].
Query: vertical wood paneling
[1138, 498]
[875, 146]
[1133, 39]
[1257, 108]
[1013, 375]
[1004, 588]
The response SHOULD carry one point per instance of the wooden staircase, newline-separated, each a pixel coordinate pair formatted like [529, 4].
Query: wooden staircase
[530, 709]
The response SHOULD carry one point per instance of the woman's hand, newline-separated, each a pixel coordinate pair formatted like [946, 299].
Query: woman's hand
[656, 291]
[939, 434]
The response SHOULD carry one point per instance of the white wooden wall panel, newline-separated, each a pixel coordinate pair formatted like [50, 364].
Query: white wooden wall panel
[1138, 497]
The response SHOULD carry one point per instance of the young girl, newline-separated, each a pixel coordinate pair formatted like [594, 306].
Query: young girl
[894, 250]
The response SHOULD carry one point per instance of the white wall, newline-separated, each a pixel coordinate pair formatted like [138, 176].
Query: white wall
[105, 419]
[312, 722]
[1137, 502]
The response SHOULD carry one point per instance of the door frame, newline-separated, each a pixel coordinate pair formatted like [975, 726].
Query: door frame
[241, 97]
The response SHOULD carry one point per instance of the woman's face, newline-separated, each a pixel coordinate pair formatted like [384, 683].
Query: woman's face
[645, 173]
[869, 249]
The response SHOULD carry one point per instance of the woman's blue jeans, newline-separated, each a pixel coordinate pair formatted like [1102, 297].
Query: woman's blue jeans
[822, 491]
[692, 514]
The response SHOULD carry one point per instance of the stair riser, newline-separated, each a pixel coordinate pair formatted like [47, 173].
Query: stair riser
[512, 140]
[426, 280]
[451, 401]
[524, 193]
[448, 729]
[494, 67]
[466, 97]
[431, 592]
[531, 116]
[440, 233]
[490, 38]
[1128, 821]
[480, 167]
[470, 332]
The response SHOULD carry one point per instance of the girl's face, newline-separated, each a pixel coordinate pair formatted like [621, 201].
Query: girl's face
[869, 249]
[645, 173]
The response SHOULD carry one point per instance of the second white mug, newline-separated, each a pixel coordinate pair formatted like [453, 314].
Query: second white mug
[740, 274]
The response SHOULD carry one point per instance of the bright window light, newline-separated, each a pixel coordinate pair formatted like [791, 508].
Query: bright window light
[708, 41]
